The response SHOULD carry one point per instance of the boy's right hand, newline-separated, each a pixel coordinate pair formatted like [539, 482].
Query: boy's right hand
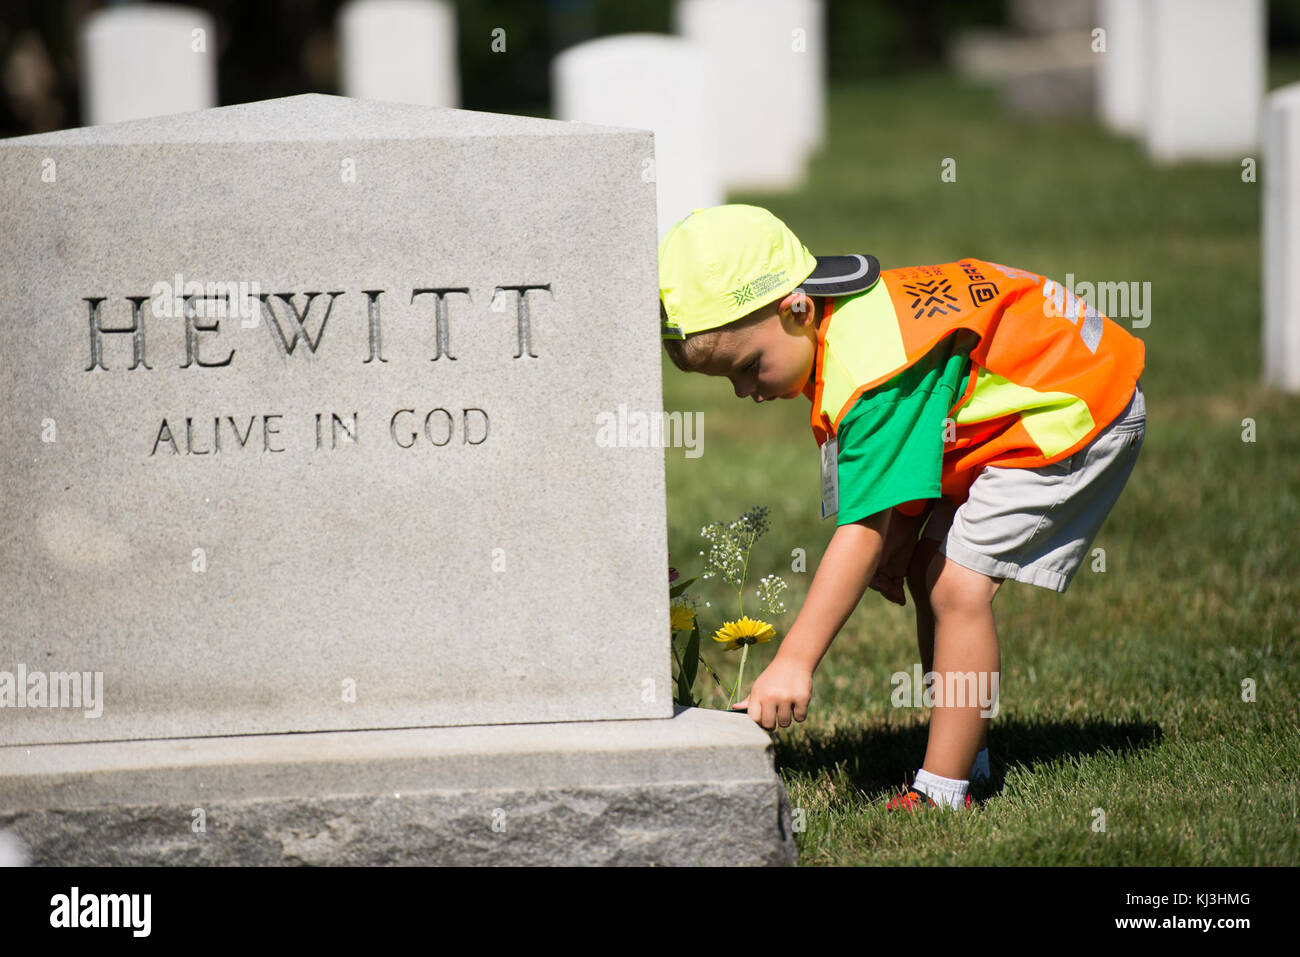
[780, 693]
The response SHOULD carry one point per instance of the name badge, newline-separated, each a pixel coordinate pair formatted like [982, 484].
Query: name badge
[830, 477]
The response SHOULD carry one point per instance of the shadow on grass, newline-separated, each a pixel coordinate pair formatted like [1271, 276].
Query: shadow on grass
[882, 759]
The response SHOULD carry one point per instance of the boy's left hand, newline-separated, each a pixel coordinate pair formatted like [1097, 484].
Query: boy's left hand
[780, 693]
[896, 554]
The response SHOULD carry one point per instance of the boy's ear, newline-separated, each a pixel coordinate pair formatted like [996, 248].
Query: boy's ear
[800, 305]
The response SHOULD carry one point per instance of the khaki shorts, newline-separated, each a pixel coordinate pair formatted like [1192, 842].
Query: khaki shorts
[1036, 525]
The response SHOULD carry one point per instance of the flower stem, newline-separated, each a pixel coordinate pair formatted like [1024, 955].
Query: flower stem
[744, 652]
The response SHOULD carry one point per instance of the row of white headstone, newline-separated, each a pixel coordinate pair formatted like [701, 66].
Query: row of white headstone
[735, 99]
[142, 60]
[1188, 77]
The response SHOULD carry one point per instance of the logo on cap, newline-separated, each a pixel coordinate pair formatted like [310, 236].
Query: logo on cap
[756, 287]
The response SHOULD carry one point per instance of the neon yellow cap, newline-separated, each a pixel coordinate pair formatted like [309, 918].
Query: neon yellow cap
[721, 263]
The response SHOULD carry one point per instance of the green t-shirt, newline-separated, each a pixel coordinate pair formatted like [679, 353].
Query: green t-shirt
[891, 440]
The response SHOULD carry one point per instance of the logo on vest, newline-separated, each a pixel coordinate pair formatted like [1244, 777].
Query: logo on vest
[933, 298]
[980, 288]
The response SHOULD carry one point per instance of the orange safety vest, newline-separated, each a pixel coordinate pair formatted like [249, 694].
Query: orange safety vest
[1048, 373]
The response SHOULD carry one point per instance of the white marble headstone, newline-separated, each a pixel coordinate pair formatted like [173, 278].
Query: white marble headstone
[402, 51]
[767, 84]
[1281, 227]
[1121, 69]
[1204, 83]
[650, 82]
[372, 493]
[146, 60]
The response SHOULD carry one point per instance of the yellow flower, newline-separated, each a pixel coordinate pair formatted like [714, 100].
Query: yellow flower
[747, 631]
[681, 617]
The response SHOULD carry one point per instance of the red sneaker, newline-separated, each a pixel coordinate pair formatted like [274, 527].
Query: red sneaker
[911, 799]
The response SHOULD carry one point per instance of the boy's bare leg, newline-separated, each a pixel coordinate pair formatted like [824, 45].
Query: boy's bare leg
[926, 549]
[964, 639]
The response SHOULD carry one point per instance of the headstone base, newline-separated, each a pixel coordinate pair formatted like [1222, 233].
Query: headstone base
[1037, 76]
[698, 788]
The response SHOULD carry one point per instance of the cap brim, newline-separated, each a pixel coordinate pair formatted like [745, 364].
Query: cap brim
[841, 275]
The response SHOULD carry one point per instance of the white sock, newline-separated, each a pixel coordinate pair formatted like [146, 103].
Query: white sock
[943, 791]
[981, 767]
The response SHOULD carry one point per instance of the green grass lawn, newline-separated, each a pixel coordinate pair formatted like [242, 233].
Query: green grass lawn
[1124, 694]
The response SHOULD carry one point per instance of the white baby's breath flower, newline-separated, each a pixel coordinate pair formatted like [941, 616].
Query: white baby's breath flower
[769, 592]
[729, 544]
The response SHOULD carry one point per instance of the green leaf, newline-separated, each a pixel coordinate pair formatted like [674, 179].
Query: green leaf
[683, 693]
[677, 587]
[691, 661]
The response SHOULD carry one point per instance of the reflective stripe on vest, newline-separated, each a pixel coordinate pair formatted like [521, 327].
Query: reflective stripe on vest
[1048, 372]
